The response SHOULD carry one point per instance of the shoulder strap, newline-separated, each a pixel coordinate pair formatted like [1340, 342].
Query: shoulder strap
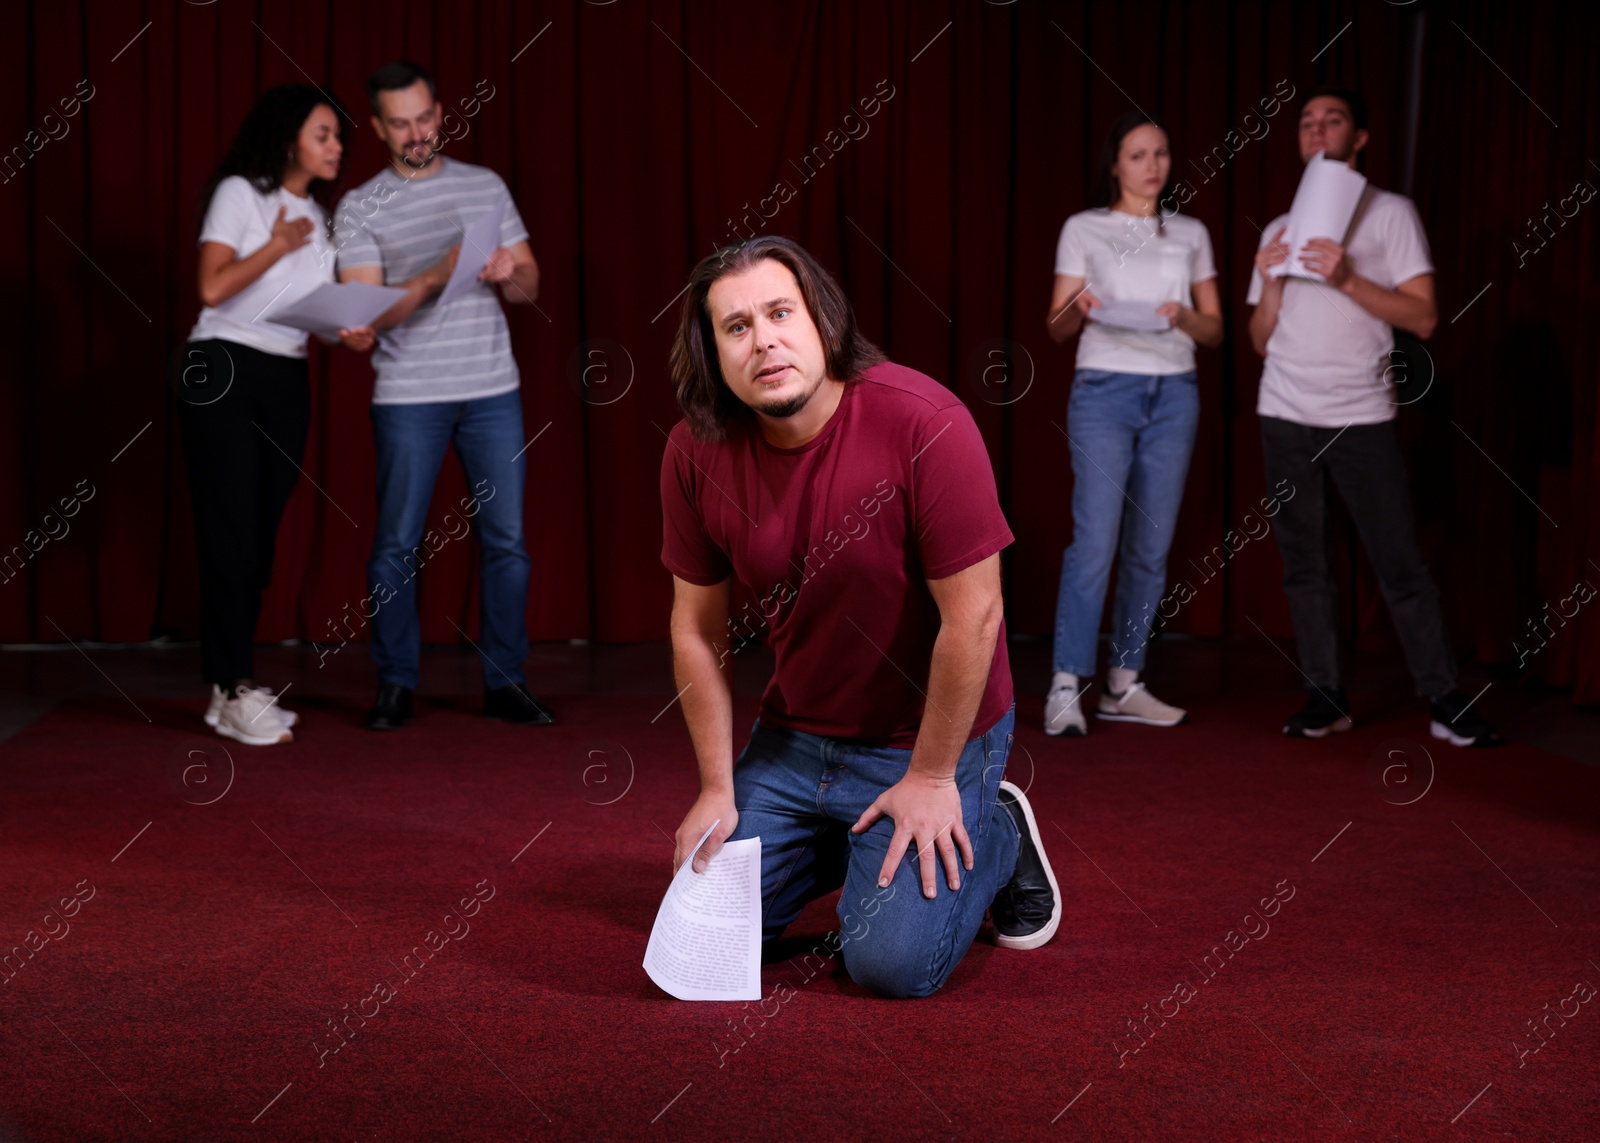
[1368, 193]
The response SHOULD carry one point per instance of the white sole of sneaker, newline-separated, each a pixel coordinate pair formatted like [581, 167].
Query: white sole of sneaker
[1333, 727]
[1440, 730]
[253, 739]
[214, 716]
[1034, 940]
[1109, 717]
[1071, 731]
[289, 718]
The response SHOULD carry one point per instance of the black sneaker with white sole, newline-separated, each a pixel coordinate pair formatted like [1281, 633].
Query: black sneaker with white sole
[1027, 911]
[1325, 712]
[1457, 723]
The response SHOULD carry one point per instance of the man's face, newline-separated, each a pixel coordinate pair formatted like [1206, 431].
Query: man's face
[408, 123]
[1326, 125]
[769, 349]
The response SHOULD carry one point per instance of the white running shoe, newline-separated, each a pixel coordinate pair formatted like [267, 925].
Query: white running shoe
[219, 696]
[1136, 704]
[1063, 709]
[252, 717]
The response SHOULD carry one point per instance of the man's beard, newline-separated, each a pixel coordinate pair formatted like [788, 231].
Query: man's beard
[408, 159]
[788, 407]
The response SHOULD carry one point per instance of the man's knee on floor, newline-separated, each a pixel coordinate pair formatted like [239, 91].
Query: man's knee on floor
[892, 973]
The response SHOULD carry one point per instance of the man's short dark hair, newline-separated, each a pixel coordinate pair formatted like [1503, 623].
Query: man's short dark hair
[1351, 99]
[398, 76]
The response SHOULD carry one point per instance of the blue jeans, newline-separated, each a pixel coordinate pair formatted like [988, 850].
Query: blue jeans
[411, 441]
[800, 794]
[1131, 436]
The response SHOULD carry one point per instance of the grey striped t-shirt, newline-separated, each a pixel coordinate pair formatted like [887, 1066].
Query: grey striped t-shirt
[463, 350]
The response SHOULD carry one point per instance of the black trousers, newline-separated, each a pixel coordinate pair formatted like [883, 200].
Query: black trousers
[1370, 473]
[244, 415]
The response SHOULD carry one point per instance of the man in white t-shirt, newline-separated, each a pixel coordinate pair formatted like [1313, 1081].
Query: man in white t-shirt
[1327, 407]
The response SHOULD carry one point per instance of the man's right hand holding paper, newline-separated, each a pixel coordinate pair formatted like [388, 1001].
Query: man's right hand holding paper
[710, 806]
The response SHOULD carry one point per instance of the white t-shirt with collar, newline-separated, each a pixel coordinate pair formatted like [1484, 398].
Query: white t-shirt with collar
[1328, 359]
[241, 216]
[1123, 257]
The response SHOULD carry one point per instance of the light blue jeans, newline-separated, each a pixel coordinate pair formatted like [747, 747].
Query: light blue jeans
[1131, 436]
[800, 794]
[411, 442]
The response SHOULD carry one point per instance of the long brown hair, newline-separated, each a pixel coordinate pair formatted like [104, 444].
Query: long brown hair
[707, 402]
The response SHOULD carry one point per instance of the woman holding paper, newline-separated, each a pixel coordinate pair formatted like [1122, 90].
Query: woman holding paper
[243, 390]
[1135, 279]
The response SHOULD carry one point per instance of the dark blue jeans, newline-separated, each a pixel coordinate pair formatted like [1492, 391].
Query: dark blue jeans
[411, 440]
[800, 794]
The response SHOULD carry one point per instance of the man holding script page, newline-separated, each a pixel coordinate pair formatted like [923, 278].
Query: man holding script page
[1323, 319]
[854, 500]
[445, 375]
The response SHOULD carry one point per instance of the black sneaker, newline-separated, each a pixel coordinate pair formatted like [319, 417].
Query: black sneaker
[1457, 723]
[516, 704]
[1027, 911]
[392, 708]
[1325, 712]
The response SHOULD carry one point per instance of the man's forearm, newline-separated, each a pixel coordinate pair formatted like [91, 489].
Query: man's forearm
[522, 288]
[705, 678]
[418, 290]
[1404, 311]
[962, 657]
[1264, 318]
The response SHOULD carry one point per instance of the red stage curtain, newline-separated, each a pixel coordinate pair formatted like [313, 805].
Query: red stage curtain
[634, 135]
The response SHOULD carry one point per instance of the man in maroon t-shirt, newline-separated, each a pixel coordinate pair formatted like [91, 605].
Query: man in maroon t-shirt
[853, 498]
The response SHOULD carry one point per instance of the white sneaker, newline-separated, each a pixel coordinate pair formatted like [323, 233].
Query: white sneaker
[1063, 710]
[252, 718]
[1136, 704]
[219, 696]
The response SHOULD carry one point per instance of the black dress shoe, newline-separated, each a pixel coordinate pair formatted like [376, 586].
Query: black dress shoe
[1027, 911]
[391, 709]
[516, 704]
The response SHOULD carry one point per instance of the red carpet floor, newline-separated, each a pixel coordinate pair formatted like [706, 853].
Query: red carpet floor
[219, 925]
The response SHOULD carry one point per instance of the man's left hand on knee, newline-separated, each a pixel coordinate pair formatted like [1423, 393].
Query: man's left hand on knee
[925, 810]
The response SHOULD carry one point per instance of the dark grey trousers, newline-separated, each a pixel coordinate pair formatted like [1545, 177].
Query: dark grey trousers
[1368, 470]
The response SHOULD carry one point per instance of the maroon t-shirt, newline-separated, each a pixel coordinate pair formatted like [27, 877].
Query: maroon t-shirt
[836, 540]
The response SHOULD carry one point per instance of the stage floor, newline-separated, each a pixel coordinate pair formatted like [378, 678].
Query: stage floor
[1192, 672]
[1417, 969]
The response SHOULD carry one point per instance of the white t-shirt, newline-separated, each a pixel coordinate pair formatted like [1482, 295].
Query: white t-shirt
[1327, 358]
[1123, 257]
[240, 216]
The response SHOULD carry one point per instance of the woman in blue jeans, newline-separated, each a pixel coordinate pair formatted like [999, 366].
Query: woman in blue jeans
[1136, 280]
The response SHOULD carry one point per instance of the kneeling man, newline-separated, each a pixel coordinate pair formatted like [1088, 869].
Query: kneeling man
[854, 499]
